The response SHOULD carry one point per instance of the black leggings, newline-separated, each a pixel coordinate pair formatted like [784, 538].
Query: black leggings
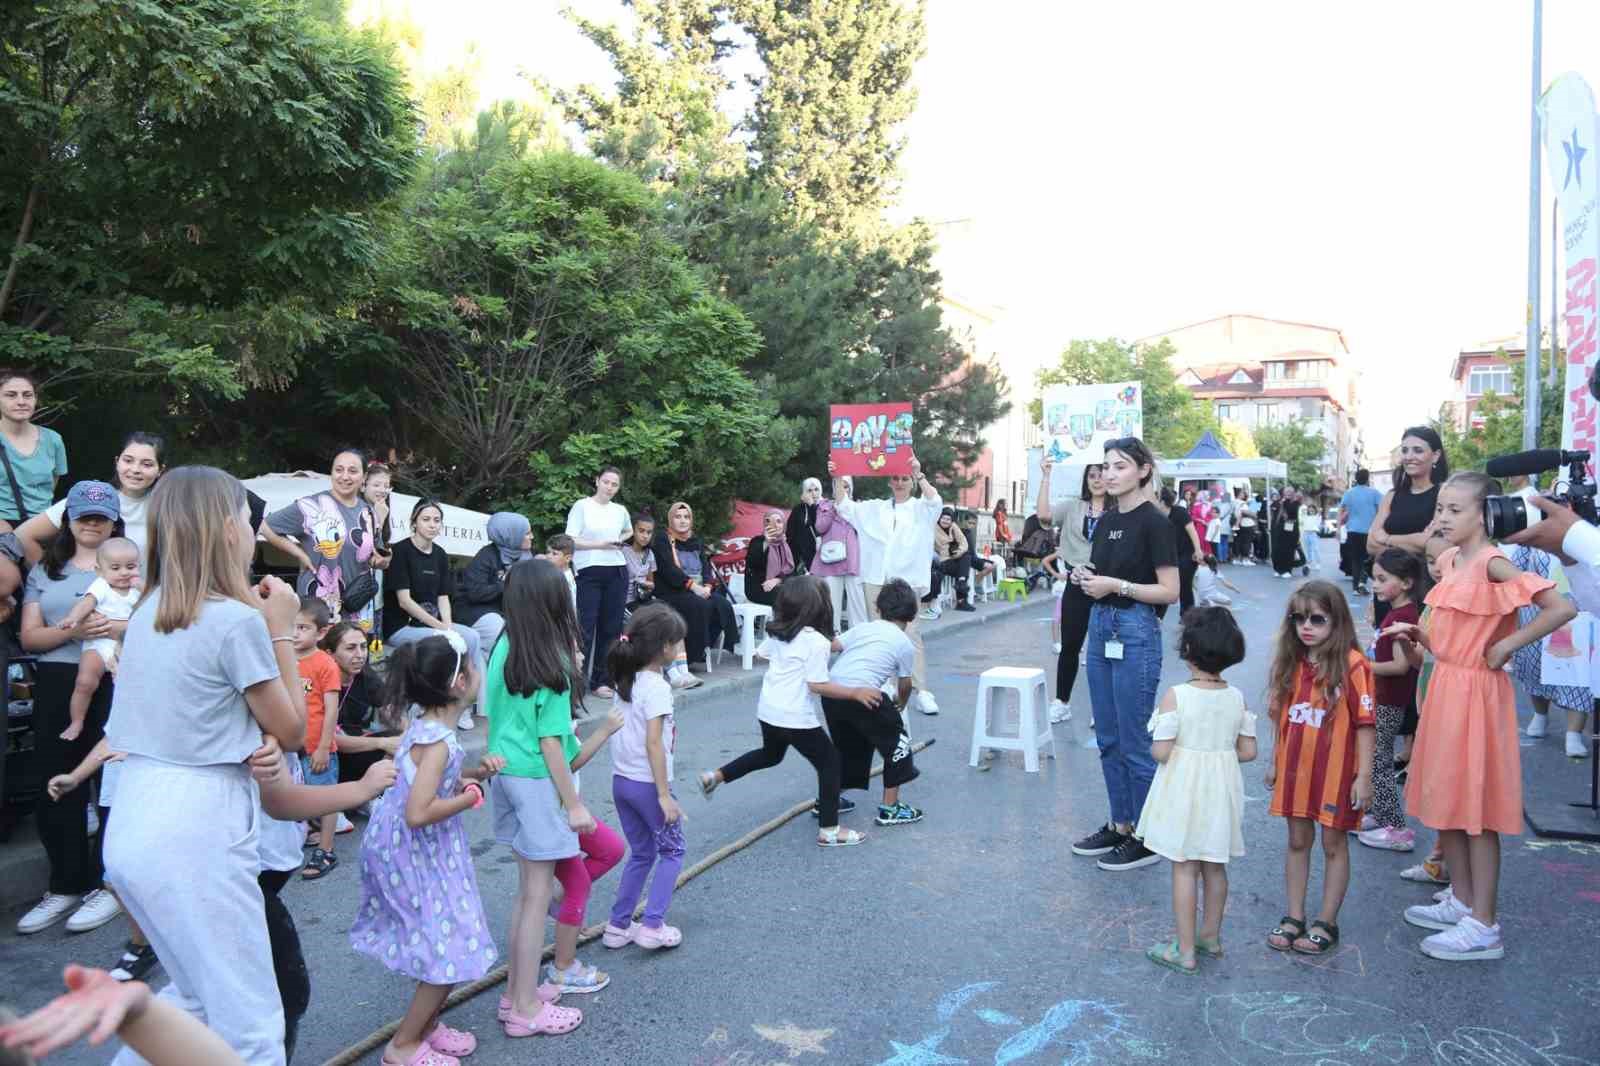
[1185, 587]
[288, 961]
[74, 856]
[814, 745]
[1075, 606]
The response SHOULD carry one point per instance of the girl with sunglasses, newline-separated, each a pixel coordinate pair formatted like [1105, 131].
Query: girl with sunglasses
[1322, 706]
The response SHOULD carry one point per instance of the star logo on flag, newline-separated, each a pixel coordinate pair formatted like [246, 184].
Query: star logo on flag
[1575, 154]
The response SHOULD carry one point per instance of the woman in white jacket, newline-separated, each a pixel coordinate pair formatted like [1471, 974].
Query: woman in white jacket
[896, 542]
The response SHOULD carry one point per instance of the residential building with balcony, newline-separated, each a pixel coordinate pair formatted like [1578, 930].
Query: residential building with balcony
[1477, 371]
[1259, 372]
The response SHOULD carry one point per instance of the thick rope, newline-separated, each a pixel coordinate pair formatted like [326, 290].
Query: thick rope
[378, 1037]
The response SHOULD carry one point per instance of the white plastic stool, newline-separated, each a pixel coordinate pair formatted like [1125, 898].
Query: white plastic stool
[1033, 729]
[748, 614]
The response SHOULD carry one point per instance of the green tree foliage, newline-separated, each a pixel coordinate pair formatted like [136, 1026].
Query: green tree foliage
[1237, 438]
[1173, 419]
[835, 87]
[1298, 446]
[187, 185]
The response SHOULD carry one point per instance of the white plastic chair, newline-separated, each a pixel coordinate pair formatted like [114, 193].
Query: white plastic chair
[1033, 728]
[747, 614]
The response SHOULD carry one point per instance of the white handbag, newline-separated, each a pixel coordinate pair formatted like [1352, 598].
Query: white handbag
[831, 551]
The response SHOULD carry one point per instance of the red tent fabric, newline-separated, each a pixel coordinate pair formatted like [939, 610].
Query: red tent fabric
[747, 521]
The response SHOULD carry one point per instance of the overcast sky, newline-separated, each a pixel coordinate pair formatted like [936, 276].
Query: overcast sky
[1135, 166]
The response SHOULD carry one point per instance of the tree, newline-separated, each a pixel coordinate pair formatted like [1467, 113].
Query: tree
[1237, 438]
[834, 88]
[189, 184]
[1173, 419]
[545, 325]
[1299, 447]
[1500, 430]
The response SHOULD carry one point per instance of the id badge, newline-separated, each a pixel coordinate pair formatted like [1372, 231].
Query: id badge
[1114, 650]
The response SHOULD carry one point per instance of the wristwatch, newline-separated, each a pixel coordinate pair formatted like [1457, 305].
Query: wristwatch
[1123, 592]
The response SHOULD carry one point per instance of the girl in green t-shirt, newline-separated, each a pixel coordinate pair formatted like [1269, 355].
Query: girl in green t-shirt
[533, 676]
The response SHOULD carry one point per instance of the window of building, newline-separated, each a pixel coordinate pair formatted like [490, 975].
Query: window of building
[1227, 410]
[1240, 377]
[1267, 414]
[1299, 370]
[1495, 379]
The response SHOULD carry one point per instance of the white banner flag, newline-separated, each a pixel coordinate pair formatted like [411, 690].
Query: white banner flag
[1568, 118]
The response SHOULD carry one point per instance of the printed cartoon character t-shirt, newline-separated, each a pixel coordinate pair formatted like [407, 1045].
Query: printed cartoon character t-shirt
[1131, 546]
[337, 539]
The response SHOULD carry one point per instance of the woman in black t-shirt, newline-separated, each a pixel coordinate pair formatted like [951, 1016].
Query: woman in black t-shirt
[418, 587]
[1186, 544]
[1132, 570]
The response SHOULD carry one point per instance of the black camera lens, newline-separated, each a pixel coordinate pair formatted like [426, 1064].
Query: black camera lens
[1506, 516]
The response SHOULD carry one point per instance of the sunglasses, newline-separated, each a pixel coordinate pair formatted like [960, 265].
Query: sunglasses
[1316, 618]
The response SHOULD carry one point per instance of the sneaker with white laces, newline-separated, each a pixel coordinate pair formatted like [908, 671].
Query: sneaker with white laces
[465, 721]
[1467, 941]
[1060, 712]
[47, 912]
[343, 825]
[926, 703]
[1386, 839]
[97, 908]
[1538, 725]
[932, 614]
[1429, 871]
[1442, 915]
[1576, 748]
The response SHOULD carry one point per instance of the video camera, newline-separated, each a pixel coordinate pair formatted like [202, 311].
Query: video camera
[1506, 516]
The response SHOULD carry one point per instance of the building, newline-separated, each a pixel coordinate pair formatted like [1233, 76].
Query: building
[1477, 371]
[1258, 371]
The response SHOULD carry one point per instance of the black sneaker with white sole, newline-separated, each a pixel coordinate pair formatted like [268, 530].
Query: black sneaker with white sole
[846, 805]
[1129, 855]
[136, 961]
[1102, 840]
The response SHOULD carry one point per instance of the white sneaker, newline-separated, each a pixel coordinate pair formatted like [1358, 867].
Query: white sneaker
[1576, 748]
[1443, 915]
[1537, 725]
[926, 703]
[98, 908]
[344, 825]
[932, 613]
[1059, 712]
[1467, 941]
[465, 721]
[47, 912]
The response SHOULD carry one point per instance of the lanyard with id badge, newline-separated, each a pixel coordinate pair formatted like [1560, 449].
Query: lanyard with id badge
[1113, 647]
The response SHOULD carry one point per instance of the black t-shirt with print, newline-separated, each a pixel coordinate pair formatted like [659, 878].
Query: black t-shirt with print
[427, 576]
[1131, 546]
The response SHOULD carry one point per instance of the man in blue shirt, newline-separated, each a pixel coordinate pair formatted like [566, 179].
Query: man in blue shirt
[1357, 510]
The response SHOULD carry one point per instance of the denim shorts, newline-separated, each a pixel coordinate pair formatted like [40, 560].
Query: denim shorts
[330, 776]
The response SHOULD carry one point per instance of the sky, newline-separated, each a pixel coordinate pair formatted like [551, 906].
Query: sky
[1126, 168]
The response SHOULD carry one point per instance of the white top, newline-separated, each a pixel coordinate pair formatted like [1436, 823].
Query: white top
[133, 522]
[1205, 582]
[786, 698]
[873, 654]
[598, 522]
[572, 584]
[896, 539]
[1195, 809]
[282, 843]
[117, 606]
[652, 698]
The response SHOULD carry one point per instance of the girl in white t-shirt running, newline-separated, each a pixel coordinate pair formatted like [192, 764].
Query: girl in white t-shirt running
[641, 782]
[799, 638]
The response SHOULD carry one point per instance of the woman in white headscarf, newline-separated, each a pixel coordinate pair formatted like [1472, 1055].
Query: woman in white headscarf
[801, 528]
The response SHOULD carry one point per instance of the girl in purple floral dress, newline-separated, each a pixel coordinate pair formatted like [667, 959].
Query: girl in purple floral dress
[420, 911]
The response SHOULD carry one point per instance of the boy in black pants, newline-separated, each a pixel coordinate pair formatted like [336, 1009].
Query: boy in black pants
[872, 655]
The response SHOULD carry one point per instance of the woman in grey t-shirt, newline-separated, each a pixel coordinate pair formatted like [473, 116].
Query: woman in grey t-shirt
[206, 670]
[333, 535]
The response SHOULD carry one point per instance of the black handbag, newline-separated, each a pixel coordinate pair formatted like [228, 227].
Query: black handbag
[359, 593]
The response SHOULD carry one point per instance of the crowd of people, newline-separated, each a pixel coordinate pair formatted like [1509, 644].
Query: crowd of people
[257, 702]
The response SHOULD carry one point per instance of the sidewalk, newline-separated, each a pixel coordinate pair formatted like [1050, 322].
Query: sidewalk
[24, 872]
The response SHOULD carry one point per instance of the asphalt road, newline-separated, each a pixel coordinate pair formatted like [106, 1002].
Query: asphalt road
[976, 936]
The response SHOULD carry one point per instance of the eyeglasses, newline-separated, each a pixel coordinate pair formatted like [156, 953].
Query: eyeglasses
[1314, 619]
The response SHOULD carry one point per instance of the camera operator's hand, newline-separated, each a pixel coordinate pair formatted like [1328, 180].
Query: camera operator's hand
[1549, 534]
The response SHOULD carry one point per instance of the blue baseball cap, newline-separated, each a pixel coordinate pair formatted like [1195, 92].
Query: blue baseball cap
[93, 498]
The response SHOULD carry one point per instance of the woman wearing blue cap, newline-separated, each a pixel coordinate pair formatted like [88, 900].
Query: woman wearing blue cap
[92, 516]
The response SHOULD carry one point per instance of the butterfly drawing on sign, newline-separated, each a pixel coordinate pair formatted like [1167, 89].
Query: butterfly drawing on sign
[878, 462]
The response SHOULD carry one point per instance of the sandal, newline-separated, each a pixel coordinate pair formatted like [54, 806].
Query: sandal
[1211, 949]
[550, 1021]
[1288, 931]
[839, 838]
[448, 1041]
[1168, 955]
[425, 1056]
[1321, 943]
[320, 864]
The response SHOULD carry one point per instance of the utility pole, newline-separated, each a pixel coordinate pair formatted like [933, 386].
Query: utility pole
[1530, 376]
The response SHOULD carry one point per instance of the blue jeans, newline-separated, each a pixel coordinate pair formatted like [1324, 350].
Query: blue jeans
[1123, 694]
[1222, 548]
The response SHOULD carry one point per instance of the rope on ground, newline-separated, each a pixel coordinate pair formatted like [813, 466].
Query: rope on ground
[378, 1037]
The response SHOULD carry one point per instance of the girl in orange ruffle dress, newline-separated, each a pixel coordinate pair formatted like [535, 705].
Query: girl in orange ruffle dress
[1466, 768]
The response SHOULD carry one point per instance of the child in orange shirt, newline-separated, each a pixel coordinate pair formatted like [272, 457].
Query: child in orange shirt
[1466, 763]
[1322, 707]
[320, 678]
